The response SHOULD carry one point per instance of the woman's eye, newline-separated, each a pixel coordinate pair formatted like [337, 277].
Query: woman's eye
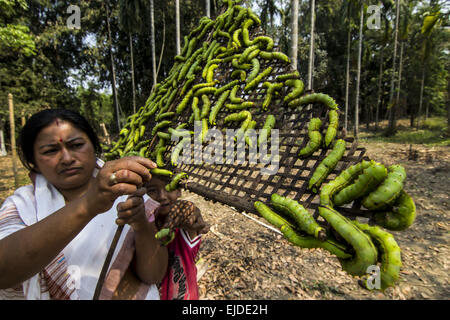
[77, 145]
[50, 151]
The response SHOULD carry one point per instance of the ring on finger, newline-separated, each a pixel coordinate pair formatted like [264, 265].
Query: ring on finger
[113, 178]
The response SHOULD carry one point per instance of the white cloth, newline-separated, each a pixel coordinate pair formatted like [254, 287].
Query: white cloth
[86, 253]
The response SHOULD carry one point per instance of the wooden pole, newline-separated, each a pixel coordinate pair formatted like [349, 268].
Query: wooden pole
[13, 138]
[105, 133]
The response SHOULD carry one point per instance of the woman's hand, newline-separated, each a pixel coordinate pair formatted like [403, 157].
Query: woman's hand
[132, 211]
[183, 214]
[117, 178]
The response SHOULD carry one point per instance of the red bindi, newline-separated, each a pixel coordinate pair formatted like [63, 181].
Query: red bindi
[60, 140]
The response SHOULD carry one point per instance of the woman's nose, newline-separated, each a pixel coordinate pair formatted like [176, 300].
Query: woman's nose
[66, 155]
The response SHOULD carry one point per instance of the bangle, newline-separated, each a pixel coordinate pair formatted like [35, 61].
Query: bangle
[151, 218]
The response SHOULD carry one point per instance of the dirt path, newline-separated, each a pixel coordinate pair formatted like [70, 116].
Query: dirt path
[248, 261]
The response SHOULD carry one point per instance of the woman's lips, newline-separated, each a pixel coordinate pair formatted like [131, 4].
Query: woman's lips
[70, 171]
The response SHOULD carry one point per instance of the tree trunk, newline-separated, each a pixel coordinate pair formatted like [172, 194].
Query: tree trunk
[152, 26]
[294, 34]
[380, 91]
[391, 127]
[3, 151]
[421, 97]
[177, 23]
[311, 46]
[426, 110]
[347, 80]
[397, 99]
[113, 69]
[133, 86]
[358, 77]
[208, 9]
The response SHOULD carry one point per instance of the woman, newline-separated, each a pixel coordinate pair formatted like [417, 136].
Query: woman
[55, 234]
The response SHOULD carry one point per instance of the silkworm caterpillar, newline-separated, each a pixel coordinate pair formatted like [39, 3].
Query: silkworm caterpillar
[264, 134]
[165, 115]
[333, 124]
[297, 90]
[274, 55]
[245, 33]
[315, 98]
[236, 65]
[391, 260]
[203, 91]
[163, 135]
[365, 183]
[244, 56]
[304, 220]
[236, 38]
[160, 125]
[251, 125]
[228, 86]
[161, 172]
[327, 165]
[159, 157]
[287, 76]
[204, 130]
[185, 101]
[179, 133]
[219, 104]
[239, 73]
[258, 79]
[365, 251]
[186, 85]
[195, 109]
[388, 191]
[210, 72]
[165, 233]
[315, 138]
[401, 216]
[206, 53]
[204, 85]
[205, 29]
[233, 98]
[206, 68]
[240, 106]
[345, 178]
[206, 106]
[271, 87]
[176, 151]
[173, 185]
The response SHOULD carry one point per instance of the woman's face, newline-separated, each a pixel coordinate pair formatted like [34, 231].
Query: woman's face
[64, 155]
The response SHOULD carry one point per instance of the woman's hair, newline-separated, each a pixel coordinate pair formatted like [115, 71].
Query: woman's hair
[42, 119]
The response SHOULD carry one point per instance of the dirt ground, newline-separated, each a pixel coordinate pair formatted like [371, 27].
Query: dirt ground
[246, 260]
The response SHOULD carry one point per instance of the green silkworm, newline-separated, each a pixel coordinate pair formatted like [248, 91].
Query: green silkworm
[304, 220]
[240, 116]
[142, 151]
[240, 106]
[210, 72]
[287, 76]
[203, 21]
[251, 125]
[161, 172]
[194, 68]
[205, 29]
[253, 16]
[239, 73]
[401, 216]
[219, 104]
[236, 40]
[124, 132]
[326, 166]
[236, 65]
[255, 70]
[333, 124]
[177, 150]
[173, 184]
[365, 251]
[160, 125]
[366, 182]
[187, 85]
[195, 109]
[191, 47]
[163, 233]
[271, 88]
[233, 98]
[203, 91]
[245, 33]
[206, 106]
[310, 242]
[274, 55]
[297, 90]
[271, 217]
[391, 260]
[163, 135]
[244, 56]
[182, 105]
[315, 138]
[207, 67]
[179, 133]
[204, 85]
[206, 53]
[159, 157]
[228, 86]
[345, 178]
[204, 130]
[264, 134]
[258, 79]
[315, 98]
[388, 191]
[165, 115]
[267, 40]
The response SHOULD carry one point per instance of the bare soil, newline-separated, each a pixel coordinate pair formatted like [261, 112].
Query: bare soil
[249, 261]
